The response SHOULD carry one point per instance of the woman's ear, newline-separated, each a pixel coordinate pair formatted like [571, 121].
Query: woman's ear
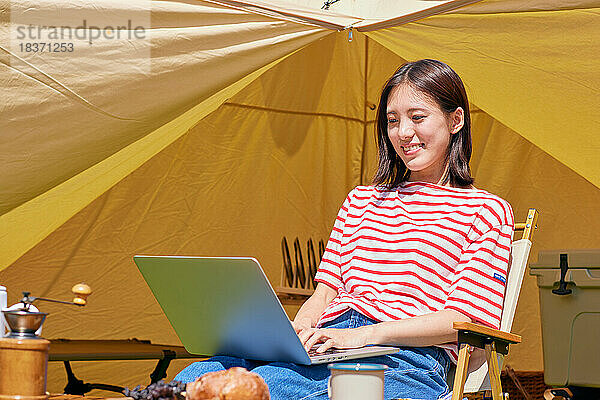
[457, 120]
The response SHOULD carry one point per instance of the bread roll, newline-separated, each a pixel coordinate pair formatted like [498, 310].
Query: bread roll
[232, 384]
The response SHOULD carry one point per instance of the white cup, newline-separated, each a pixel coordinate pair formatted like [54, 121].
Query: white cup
[3, 304]
[356, 381]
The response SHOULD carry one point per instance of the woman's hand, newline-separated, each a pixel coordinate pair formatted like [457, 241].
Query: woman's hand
[311, 310]
[332, 337]
[301, 324]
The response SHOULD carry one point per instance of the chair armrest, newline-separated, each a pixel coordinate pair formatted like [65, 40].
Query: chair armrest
[479, 335]
[484, 330]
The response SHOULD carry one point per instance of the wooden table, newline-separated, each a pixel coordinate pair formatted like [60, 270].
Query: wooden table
[78, 397]
[67, 350]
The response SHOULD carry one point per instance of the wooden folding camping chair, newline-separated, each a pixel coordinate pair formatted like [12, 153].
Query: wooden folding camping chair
[494, 342]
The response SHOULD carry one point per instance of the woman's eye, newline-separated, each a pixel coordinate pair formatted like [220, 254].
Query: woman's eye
[418, 117]
[392, 121]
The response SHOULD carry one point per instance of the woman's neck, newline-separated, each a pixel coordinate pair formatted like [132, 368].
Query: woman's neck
[436, 177]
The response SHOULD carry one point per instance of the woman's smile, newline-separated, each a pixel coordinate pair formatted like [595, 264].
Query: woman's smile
[412, 148]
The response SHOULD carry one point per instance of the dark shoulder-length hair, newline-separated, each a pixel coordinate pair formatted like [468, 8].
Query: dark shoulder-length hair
[442, 84]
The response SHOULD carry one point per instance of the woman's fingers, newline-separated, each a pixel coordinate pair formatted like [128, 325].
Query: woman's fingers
[313, 338]
[305, 334]
[339, 338]
[329, 343]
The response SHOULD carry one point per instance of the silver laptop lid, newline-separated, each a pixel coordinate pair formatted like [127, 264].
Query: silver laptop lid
[222, 305]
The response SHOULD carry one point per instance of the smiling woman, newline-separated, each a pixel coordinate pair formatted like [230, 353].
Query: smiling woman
[408, 256]
[423, 131]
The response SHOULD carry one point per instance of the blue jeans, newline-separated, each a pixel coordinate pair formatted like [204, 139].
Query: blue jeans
[414, 372]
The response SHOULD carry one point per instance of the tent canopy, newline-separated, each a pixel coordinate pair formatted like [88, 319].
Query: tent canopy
[231, 124]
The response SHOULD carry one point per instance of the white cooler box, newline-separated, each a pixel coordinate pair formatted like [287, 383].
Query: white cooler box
[570, 313]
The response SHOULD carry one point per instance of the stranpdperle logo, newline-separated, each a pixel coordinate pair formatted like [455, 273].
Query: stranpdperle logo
[93, 36]
[84, 31]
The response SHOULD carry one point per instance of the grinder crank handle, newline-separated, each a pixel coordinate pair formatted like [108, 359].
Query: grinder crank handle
[81, 292]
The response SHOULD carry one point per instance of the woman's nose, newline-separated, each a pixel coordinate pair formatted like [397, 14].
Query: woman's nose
[406, 132]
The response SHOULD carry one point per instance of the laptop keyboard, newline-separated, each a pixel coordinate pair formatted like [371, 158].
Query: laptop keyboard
[313, 351]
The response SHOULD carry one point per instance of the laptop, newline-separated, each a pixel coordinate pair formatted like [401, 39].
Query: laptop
[226, 306]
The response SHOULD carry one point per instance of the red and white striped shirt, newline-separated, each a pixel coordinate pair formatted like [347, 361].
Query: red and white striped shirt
[421, 248]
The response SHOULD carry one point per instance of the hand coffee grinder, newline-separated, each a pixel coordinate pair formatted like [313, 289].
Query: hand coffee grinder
[23, 354]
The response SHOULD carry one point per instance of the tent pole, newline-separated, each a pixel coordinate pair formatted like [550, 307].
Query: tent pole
[365, 115]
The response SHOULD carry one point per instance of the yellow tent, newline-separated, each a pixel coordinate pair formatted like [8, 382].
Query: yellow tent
[225, 125]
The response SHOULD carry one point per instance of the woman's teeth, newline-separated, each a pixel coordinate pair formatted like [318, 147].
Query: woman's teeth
[413, 147]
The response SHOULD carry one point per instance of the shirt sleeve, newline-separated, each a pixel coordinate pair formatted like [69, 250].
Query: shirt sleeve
[477, 289]
[329, 271]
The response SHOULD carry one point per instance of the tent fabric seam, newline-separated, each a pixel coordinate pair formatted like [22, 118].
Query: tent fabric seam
[291, 112]
[416, 16]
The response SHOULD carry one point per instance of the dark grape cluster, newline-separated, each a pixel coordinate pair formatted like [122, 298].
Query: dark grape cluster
[160, 390]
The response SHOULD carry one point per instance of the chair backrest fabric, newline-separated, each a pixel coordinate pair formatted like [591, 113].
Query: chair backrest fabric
[478, 379]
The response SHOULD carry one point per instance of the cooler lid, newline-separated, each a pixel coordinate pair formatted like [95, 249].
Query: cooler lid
[548, 259]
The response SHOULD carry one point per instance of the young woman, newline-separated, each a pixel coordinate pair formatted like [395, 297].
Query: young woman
[419, 249]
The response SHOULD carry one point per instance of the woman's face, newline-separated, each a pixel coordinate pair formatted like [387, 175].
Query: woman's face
[420, 132]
